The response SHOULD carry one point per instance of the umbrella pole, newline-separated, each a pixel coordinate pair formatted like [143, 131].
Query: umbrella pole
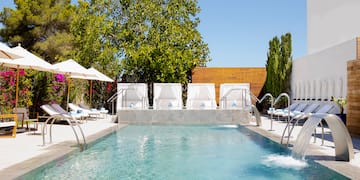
[68, 94]
[90, 93]
[17, 87]
[17, 93]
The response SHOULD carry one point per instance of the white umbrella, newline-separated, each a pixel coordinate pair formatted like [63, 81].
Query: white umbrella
[98, 76]
[29, 61]
[6, 53]
[73, 70]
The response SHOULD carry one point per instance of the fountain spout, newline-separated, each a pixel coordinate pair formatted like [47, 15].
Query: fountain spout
[344, 150]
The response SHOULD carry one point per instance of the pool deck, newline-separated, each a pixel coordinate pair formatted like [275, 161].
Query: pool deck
[25, 152]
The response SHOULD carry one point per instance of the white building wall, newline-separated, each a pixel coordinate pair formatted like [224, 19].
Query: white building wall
[332, 29]
[323, 74]
[331, 22]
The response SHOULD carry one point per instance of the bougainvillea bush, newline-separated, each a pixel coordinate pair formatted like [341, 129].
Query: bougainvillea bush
[8, 89]
[56, 88]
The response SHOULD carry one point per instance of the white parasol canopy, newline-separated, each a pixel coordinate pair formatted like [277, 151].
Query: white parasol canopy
[73, 70]
[7, 53]
[30, 61]
[98, 76]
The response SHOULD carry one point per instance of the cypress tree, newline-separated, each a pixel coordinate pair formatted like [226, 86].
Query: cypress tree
[278, 65]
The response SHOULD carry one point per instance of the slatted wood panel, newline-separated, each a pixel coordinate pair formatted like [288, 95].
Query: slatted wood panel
[353, 97]
[255, 76]
[358, 48]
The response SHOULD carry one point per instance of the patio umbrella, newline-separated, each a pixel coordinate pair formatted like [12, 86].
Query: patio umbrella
[99, 77]
[6, 53]
[72, 69]
[29, 61]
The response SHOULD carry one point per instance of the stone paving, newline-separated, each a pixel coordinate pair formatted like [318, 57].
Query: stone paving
[26, 152]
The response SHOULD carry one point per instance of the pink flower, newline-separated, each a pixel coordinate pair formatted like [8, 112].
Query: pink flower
[12, 102]
[55, 87]
[21, 72]
[12, 82]
[60, 78]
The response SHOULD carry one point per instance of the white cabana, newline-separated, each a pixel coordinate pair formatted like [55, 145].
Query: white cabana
[235, 96]
[201, 96]
[132, 96]
[167, 96]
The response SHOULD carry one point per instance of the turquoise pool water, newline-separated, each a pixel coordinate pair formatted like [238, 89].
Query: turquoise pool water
[183, 152]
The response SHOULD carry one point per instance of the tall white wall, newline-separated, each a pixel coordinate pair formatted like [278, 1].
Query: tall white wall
[331, 22]
[323, 74]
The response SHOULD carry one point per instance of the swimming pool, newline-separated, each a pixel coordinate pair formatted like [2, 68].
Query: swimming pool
[183, 152]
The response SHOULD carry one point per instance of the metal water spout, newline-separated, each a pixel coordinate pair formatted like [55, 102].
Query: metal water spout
[344, 150]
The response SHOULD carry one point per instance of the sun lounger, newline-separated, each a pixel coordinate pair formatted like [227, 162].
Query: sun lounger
[60, 115]
[296, 109]
[320, 108]
[83, 111]
[73, 114]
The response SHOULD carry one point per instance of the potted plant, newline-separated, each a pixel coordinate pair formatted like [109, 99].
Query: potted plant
[341, 102]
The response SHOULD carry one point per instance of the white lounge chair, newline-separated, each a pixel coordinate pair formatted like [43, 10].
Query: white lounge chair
[73, 114]
[167, 96]
[201, 96]
[235, 96]
[84, 112]
[60, 115]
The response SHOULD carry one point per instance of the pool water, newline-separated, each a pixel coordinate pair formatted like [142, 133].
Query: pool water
[183, 152]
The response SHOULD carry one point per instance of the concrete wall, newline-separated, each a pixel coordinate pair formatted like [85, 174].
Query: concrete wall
[323, 74]
[331, 22]
[184, 117]
[255, 76]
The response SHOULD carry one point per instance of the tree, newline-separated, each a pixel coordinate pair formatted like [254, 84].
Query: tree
[160, 40]
[278, 65]
[42, 27]
[95, 44]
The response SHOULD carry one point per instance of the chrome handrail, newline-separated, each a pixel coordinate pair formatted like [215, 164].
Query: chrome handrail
[271, 106]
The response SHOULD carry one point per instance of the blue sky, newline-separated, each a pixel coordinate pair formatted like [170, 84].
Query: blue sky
[238, 31]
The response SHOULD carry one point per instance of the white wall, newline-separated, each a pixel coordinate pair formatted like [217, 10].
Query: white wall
[323, 74]
[330, 22]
